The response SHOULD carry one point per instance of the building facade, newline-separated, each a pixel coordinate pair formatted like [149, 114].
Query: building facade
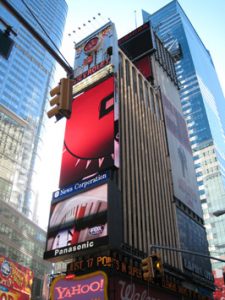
[24, 84]
[25, 79]
[23, 242]
[130, 182]
[202, 103]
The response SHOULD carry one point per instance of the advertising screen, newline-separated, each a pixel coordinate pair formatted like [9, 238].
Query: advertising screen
[15, 280]
[90, 134]
[78, 223]
[124, 289]
[138, 42]
[183, 172]
[95, 52]
[87, 287]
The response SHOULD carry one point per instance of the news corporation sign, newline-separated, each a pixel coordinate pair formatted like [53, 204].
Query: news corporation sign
[79, 186]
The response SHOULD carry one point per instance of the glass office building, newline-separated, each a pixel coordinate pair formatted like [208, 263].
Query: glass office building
[203, 107]
[24, 84]
[25, 79]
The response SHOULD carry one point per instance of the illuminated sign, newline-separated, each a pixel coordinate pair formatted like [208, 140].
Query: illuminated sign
[90, 134]
[96, 52]
[10, 294]
[127, 290]
[15, 280]
[79, 186]
[91, 70]
[123, 266]
[138, 43]
[87, 287]
[78, 223]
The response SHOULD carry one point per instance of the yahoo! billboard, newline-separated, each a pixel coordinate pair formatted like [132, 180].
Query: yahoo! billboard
[86, 287]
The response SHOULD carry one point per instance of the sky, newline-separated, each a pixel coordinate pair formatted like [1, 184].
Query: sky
[207, 17]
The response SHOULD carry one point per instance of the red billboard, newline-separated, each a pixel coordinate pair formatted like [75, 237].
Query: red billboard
[15, 280]
[219, 281]
[87, 287]
[78, 223]
[90, 134]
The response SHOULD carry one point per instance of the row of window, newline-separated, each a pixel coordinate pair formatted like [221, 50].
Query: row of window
[165, 59]
[141, 86]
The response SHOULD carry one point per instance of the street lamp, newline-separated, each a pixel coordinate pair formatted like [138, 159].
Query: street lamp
[219, 212]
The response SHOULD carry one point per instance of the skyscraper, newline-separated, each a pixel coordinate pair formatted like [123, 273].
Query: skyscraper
[24, 84]
[203, 107]
[127, 177]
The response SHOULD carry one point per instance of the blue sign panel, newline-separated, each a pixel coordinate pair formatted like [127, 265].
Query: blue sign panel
[79, 187]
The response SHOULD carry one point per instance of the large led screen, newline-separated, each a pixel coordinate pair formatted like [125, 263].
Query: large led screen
[78, 223]
[89, 135]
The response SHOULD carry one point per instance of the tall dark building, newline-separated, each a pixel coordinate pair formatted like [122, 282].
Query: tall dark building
[202, 103]
[127, 178]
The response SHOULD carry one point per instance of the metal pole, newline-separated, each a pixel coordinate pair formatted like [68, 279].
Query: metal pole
[37, 36]
[183, 251]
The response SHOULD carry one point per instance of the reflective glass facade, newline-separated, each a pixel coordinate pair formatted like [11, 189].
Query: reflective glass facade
[203, 107]
[24, 84]
[23, 242]
[25, 79]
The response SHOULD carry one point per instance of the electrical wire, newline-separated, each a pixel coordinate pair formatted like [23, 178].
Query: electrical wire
[36, 19]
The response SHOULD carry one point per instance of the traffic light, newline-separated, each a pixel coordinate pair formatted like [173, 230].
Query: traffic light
[147, 268]
[62, 102]
[6, 44]
[157, 266]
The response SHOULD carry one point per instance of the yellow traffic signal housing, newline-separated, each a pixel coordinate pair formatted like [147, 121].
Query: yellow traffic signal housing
[62, 101]
[147, 268]
[157, 266]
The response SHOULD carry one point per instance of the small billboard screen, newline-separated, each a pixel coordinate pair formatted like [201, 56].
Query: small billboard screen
[95, 52]
[86, 287]
[90, 134]
[78, 223]
[138, 42]
[15, 280]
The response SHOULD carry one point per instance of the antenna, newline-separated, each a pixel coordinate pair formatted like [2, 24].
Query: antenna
[135, 18]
